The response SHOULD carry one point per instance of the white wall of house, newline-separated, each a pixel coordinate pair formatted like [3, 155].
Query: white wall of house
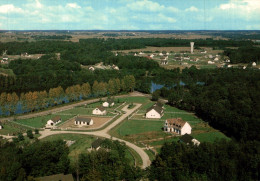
[152, 114]
[1, 127]
[105, 104]
[96, 111]
[83, 123]
[50, 123]
[186, 129]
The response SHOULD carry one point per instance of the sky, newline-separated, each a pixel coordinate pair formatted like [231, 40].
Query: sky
[129, 14]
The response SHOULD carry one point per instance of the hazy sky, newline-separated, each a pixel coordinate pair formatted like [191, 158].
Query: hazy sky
[130, 14]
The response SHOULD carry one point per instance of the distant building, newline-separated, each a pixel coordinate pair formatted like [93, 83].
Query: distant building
[210, 62]
[156, 111]
[177, 125]
[96, 145]
[216, 59]
[99, 111]
[141, 53]
[115, 67]
[161, 54]
[188, 140]
[151, 55]
[244, 67]
[164, 62]
[227, 60]
[109, 103]
[53, 121]
[91, 68]
[1, 127]
[210, 56]
[135, 54]
[253, 64]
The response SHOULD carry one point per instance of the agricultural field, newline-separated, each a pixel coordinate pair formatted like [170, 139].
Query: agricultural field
[10, 128]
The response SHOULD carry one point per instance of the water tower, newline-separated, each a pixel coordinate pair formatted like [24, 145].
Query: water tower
[191, 47]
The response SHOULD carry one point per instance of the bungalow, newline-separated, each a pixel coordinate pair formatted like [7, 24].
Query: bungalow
[216, 59]
[99, 111]
[81, 121]
[1, 127]
[253, 64]
[161, 54]
[135, 54]
[96, 145]
[52, 122]
[167, 53]
[177, 125]
[5, 58]
[227, 60]
[188, 139]
[109, 103]
[151, 55]
[141, 53]
[155, 111]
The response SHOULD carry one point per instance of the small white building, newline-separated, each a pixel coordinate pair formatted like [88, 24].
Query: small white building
[210, 56]
[253, 64]
[229, 66]
[135, 54]
[161, 54]
[109, 103]
[244, 67]
[164, 62]
[154, 112]
[152, 55]
[53, 121]
[115, 67]
[167, 53]
[99, 111]
[210, 62]
[91, 68]
[188, 139]
[227, 60]
[81, 121]
[177, 125]
[141, 53]
[216, 59]
[1, 127]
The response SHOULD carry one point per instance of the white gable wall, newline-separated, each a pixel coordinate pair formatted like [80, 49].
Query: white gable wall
[152, 114]
[105, 104]
[186, 129]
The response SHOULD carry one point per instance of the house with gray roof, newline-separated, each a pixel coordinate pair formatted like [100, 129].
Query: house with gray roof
[82, 121]
[156, 111]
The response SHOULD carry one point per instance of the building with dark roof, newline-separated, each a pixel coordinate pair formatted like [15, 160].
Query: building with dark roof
[188, 139]
[178, 126]
[155, 111]
[82, 121]
[99, 111]
[96, 145]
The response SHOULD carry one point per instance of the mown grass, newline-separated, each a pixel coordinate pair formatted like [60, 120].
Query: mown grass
[40, 122]
[134, 99]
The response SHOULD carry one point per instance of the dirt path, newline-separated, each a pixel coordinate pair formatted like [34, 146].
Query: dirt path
[104, 133]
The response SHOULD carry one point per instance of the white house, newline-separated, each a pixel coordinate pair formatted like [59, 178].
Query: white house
[141, 53]
[227, 60]
[167, 53]
[81, 121]
[188, 139]
[53, 121]
[154, 112]
[177, 125]
[216, 59]
[164, 62]
[210, 62]
[91, 68]
[99, 111]
[152, 55]
[115, 67]
[161, 54]
[135, 54]
[229, 66]
[253, 64]
[108, 103]
[210, 56]
[244, 67]
[1, 127]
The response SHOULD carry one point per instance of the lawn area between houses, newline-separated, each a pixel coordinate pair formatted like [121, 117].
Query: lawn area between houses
[10, 128]
[40, 122]
[142, 131]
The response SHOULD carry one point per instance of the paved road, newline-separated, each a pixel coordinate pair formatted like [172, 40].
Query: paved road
[104, 133]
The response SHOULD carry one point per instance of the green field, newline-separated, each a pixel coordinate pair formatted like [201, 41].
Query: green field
[134, 99]
[40, 122]
[85, 111]
[11, 129]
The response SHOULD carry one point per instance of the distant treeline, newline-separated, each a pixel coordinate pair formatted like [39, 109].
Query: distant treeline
[52, 37]
[243, 54]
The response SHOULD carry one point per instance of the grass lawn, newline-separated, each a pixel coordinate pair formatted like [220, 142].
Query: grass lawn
[210, 136]
[12, 128]
[84, 111]
[39, 122]
[130, 127]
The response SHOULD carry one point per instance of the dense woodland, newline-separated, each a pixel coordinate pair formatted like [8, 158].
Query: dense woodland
[228, 99]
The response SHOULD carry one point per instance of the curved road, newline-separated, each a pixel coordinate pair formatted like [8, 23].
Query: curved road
[104, 133]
